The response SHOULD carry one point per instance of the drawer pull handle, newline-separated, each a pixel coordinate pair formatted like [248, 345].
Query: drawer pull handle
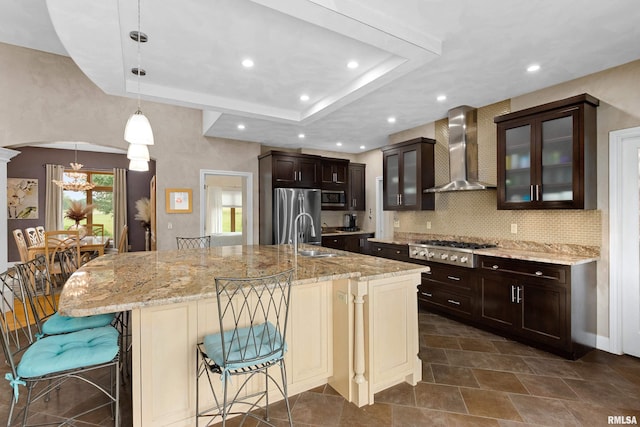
[453, 278]
[452, 301]
[379, 249]
[495, 267]
[398, 252]
[426, 294]
[538, 273]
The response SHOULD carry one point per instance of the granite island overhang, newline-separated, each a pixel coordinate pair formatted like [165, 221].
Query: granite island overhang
[353, 319]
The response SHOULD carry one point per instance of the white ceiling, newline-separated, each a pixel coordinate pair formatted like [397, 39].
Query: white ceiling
[409, 52]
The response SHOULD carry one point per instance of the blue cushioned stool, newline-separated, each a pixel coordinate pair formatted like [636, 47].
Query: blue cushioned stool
[54, 362]
[253, 314]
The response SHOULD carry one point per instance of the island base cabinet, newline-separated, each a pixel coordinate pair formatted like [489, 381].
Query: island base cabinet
[361, 336]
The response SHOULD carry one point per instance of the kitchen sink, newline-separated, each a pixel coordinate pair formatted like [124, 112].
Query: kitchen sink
[317, 254]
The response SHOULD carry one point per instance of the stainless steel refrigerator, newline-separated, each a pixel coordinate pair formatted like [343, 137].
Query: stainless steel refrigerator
[288, 203]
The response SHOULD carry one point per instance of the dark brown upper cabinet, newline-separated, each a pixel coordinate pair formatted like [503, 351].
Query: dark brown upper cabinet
[335, 174]
[290, 169]
[408, 170]
[356, 195]
[547, 156]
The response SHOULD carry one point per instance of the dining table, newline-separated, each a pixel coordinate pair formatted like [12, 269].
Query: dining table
[87, 244]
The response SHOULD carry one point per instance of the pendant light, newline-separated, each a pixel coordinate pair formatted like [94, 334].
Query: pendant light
[78, 179]
[138, 152]
[138, 129]
[138, 165]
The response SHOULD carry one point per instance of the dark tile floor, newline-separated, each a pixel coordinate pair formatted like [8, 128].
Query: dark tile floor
[470, 378]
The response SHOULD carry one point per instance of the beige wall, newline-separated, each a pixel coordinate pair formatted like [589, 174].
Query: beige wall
[45, 97]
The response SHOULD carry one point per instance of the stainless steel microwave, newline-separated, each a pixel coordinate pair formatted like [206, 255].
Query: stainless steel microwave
[333, 199]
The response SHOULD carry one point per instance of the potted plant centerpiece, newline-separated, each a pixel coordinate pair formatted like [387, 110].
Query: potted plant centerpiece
[77, 211]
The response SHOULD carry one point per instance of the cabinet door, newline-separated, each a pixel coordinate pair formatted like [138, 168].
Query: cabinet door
[357, 190]
[497, 300]
[544, 313]
[391, 181]
[409, 179]
[516, 148]
[285, 171]
[558, 172]
[308, 173]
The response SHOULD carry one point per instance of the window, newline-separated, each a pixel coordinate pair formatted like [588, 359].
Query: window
[101, 196]
[231, 211]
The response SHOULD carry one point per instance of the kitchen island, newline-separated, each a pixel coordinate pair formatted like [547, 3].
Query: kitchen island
[353, 319]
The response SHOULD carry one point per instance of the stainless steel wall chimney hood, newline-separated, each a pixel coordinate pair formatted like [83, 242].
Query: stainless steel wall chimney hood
[463, 152]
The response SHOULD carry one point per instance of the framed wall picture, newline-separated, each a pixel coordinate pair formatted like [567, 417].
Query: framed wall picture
[22, 198]
[179, 200]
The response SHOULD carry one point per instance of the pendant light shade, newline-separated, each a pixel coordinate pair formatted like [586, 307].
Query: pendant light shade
[138, 152]
[138, 129]
[138, 165]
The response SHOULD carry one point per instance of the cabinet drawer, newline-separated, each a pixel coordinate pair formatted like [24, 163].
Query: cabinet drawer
[335, 242]
[440, 296]
[551, 272]
[391, 251]
[458, 277]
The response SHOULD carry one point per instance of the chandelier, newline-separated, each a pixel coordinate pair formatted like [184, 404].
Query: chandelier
[78, 180]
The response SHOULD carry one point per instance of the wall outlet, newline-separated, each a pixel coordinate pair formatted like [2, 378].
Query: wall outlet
[342, 297]
[428, 225]
[514, 228]
[396, 223]
[169, 226]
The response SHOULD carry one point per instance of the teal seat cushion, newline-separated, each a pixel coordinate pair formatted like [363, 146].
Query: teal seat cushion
[58, 353]
[246, 346]
[58, 324]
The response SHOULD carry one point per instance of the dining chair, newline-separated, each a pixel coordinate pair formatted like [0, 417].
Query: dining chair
[36, 282]
[57, 241]
[121, 242]
[21, 243]
[193, 242]
[57, 362]
[252, 314]
[32, 236]
[95, 230]
[40, 231]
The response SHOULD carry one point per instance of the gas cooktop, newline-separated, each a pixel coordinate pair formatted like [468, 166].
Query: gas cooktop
[447, 252]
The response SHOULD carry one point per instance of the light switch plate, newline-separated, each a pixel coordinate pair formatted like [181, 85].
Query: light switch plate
[396, 223]
[514, 228]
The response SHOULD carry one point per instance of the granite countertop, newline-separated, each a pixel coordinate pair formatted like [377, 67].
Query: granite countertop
[523, 251]
[343, 233]
[118, 282]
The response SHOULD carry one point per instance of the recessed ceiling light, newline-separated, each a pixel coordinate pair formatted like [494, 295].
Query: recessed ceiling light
[241, 126]
[441, 98]
[247, 63]
[533, 68]
[339, 144]
[391, 119]
[362, 147]
[301, 135]
[353, 64]
[304, 97]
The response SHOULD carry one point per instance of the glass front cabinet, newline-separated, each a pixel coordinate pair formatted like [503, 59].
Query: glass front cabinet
[547, 156]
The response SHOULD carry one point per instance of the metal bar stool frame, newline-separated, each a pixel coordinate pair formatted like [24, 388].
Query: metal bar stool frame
[193, 242]
[246, 349]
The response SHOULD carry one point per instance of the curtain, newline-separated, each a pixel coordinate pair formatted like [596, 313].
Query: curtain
[214, 209]
[119, 203]
[53, 219]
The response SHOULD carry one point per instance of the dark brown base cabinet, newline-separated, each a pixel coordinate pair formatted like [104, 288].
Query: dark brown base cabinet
[448, 289]
[348, 242]
[546, 305]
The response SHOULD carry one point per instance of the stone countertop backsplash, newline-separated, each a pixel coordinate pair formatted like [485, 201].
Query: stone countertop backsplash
[530, 251]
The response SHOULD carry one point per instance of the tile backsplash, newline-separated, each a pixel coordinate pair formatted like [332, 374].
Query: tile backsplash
[474, 213]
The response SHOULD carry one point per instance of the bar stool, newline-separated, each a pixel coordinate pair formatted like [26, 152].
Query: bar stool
[253, 314]
[193, 242]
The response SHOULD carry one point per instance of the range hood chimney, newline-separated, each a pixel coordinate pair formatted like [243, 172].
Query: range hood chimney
[463, 152]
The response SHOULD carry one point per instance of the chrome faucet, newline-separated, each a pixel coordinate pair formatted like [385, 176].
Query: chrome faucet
[295, 230]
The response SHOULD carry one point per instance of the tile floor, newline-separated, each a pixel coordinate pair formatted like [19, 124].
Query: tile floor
[470, 378]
